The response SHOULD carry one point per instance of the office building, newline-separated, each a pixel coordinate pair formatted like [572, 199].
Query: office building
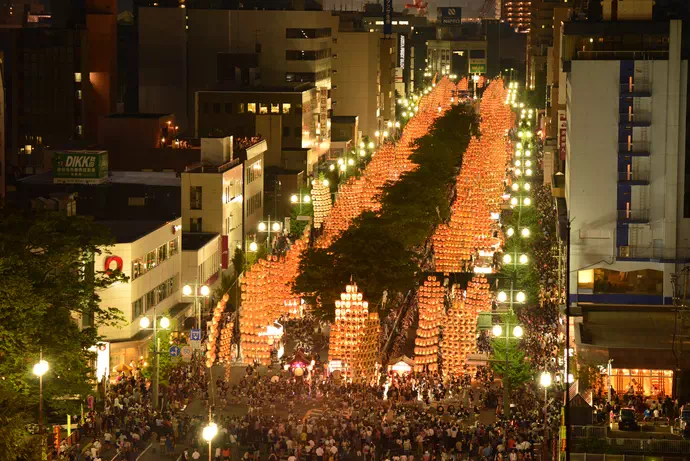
[183, 51]
[286, 116]
[626, 190]
[459, 57]
[224, 193]
[148, 252]
[517, 14]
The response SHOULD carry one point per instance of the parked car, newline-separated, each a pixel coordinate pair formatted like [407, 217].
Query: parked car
[628, 420]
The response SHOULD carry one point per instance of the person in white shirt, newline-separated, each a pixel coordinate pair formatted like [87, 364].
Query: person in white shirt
[196, 454]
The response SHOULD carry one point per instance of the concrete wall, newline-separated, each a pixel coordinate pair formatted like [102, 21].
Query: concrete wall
[591, 176]
[356, 82]
[123, 295]
[163, 62]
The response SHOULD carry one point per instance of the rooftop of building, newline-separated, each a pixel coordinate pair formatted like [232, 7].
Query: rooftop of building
[145, 178]
[232, 87]
[610, 28]
[194, 241]
[125, 231]
[138, 115]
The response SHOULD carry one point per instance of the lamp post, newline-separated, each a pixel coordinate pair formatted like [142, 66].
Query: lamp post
[299, 198]
[145, 324]
[545, 382]
[208, 433]
[40, 369]
[197, 289]
[475, 79]
[269, 226]
[497, 331]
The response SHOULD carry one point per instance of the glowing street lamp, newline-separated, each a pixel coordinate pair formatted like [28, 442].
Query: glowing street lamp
[39, 370]
[208, 433]
[145, 324]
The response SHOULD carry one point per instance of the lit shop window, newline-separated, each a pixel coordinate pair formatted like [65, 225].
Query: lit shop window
[251, 107]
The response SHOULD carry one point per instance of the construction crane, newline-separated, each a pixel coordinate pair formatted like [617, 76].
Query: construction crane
[488, 10]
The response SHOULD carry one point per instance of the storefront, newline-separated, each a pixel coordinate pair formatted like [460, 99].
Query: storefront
[645, 382]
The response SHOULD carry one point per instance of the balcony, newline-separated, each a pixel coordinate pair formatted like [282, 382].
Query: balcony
[633, 216]
[636, 119]
[639, 90]
[650, 253]
[634, 178]
[634, 149]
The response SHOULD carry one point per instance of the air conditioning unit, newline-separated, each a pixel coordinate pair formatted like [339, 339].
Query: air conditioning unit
[624, 252]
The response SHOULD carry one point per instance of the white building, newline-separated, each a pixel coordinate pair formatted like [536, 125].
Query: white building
[223, 194]
[628, 204]
[149, 253]
[625, 163]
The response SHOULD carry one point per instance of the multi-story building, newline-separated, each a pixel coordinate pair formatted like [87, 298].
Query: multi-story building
[224, 193]
[246, 46]
[517, 14]
[357, 89]
[447, 57]
[627, 191]
[148, 252]
[286, 116]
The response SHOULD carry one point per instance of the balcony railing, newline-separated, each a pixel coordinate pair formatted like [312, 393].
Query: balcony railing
[633, 216]
[634, 176]
[638, 118]
[637, 148]
[651, 252]
[636, 89]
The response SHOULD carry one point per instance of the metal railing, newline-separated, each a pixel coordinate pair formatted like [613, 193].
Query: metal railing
[637, 117]
[654, 252]
[579, 432]
[633, 147]
[633, 215]
[633, 175]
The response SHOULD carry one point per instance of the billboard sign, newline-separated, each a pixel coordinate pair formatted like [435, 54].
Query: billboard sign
[387, 17]
[80, 167]
[401, 51]
[477, 68]
[562, 133]
[449, 16]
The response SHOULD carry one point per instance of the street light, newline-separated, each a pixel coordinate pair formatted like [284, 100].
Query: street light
[253, 247]
[545, 382]
[164, 323]
[40, 369]
[497, 331]
[208, 433]
[270, 226]
[196, 289]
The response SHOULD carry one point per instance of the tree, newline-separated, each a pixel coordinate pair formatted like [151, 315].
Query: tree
[520, 370]
[49, 302]
[382, 251]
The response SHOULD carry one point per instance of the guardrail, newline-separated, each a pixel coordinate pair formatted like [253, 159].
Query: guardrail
[588, 431]
[642, 445]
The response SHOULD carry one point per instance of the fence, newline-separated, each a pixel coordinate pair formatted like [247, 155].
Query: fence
[646, 445]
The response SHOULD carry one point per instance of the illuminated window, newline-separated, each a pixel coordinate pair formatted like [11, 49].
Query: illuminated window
[263, 109]
[251, 107]
[287, 108]
[240, 108]
[275, 108]
[77, 77]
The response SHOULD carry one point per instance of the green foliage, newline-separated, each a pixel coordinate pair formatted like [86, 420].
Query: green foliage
[297, 209]
[238, 261]
[380, 251]
[49, 301]
[165, 362]
[15, 441]
[519, 370]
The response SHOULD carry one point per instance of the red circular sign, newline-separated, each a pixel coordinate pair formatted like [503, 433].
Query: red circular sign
[110, 260]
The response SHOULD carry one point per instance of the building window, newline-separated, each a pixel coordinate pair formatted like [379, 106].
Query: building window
[195, 224]
[138, 268]
[251, 107]
[78, 94]
[254, 204]
[77, 77]
[286, 108]
[173, 246]
[137, 308]
[80, 130]
[216, 108]
[240, 108]
[307, 55]
[228, 108]
[162, 253]
[151, 260]
[286, 131]
[253, 172]
[275, 108]
[263, 109]
[195, 197]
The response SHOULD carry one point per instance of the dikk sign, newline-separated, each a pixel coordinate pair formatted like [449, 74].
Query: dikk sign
[80, 167]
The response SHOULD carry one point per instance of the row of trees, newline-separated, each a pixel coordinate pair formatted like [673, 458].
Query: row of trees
[49, 302]
[381, 250]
